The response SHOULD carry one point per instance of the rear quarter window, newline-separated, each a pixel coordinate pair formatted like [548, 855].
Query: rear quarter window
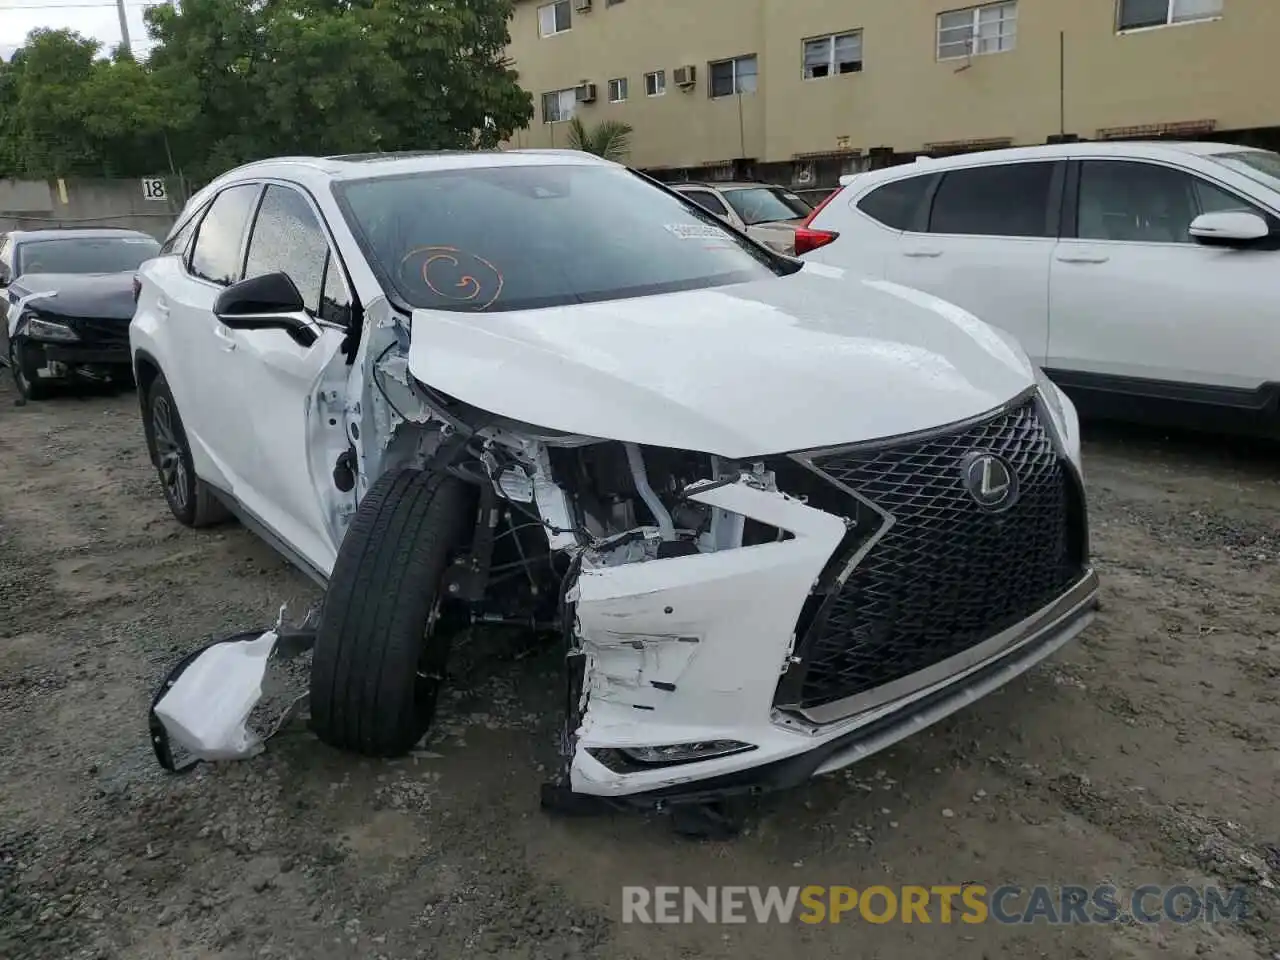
[896, 204]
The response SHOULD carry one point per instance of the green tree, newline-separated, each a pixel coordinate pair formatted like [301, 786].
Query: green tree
[51, 72]
[234, 80]
[610, 139]
[334, 76]
[10, 127]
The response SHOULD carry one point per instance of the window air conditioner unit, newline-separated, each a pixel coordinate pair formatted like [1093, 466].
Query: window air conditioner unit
[585, 93]
[582, 6]
[686, 76]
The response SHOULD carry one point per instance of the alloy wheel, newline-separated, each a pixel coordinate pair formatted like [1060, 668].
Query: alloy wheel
[169, 454]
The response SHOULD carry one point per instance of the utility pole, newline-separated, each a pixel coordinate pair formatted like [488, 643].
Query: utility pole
[124, 27]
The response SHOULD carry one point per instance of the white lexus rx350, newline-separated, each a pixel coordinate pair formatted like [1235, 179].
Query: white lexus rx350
[778, 516]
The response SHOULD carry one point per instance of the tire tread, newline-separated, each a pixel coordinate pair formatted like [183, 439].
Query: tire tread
[376, 608]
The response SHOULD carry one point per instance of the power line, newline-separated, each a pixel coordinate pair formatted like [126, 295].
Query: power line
[77, 6]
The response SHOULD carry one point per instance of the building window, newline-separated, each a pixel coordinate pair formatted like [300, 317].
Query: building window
[554, 18]
[618, 90]
[655, 84]
[734, 76]
[991, 28]
[1136, 14]
[558, 105]
[832, 55]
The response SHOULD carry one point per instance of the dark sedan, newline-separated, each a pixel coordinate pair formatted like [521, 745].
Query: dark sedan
[68, 303]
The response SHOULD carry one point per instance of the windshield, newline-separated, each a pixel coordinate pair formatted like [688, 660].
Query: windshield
[86, 255]
[766, 205]
[539, 235]
[1260, 165]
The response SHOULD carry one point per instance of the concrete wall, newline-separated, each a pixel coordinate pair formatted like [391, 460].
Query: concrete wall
[41, 205]
[1216, 71]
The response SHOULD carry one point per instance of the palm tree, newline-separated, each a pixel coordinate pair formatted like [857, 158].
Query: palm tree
[610, 139]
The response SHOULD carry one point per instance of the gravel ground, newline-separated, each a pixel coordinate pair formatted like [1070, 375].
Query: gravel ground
[1144, 753]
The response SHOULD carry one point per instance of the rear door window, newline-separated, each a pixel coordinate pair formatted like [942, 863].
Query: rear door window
[896, 204]
[220, 238]
[1000, 200]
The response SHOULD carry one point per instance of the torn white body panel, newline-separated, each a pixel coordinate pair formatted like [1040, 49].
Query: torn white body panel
[18, 306]
[690, 648]
[206, 711]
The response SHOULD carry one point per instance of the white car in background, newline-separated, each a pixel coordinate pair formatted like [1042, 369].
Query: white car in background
[1143, 277]
[778, 517]
[766, 213]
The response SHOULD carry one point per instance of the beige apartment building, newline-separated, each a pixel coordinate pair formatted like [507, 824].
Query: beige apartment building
[800, 91]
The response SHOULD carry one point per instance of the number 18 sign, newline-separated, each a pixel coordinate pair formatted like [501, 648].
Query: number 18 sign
[153, 188]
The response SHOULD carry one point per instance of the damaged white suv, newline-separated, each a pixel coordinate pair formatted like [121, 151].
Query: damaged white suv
[779, 516]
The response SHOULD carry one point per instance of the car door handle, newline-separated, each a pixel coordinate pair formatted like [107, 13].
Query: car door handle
[225, 337]
[1083, 258]
[162, 307]
[922, 254]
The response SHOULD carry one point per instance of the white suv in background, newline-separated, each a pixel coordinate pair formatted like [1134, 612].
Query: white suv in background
[1144, 277]
[778, 517]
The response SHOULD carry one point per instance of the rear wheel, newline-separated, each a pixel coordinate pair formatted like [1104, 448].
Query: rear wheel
[191, 500]
[385, 631]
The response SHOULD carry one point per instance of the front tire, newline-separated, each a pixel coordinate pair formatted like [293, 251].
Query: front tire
[191, 500]
[23, 368]
[384, 636]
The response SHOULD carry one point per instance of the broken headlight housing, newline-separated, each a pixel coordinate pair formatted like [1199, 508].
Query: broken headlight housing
[37, 328]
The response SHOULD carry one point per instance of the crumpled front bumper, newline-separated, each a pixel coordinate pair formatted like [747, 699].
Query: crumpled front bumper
[690, 649]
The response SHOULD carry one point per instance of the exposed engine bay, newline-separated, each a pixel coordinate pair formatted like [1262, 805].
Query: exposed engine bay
[556, 513]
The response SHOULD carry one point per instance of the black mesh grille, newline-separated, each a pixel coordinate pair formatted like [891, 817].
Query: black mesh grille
[948, 573]
[101, 333]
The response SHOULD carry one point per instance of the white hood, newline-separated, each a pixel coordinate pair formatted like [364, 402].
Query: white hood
[809, 360]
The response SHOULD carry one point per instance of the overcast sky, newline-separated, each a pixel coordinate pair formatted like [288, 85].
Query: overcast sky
[93, 18]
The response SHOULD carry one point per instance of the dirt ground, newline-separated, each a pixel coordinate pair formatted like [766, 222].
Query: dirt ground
[1146, 752]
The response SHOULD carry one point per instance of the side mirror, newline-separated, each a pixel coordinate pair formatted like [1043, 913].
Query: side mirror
[1229, 228]
[268, 302]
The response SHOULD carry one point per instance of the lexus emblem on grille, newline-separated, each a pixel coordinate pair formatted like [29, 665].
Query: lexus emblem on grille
[990, 480]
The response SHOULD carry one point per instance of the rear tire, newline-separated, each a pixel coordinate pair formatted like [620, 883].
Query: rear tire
[191, 500]
[385, 630]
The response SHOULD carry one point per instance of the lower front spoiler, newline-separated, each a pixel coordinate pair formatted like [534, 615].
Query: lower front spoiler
[1037, 638]
[85, 354]
[59, 362]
